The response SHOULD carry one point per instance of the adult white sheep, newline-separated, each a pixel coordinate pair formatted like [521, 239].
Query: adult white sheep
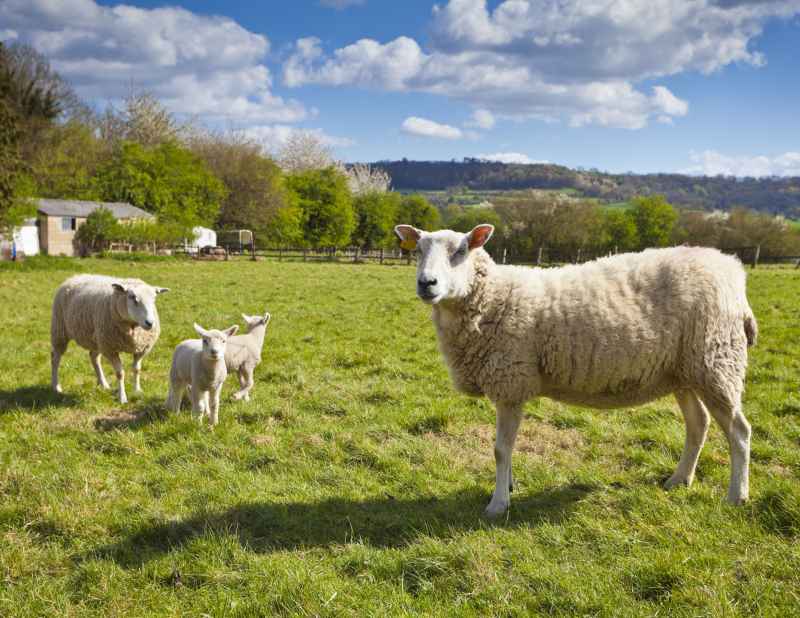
[106, 316]
[619, 331]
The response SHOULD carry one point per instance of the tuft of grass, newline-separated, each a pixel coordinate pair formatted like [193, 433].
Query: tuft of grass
[354, 481]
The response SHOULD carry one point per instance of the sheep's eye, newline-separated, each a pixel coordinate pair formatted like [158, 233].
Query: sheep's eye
[460, 252]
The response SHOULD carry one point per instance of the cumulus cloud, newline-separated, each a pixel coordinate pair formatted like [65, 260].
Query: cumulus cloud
[340, 4]
[481, 119]
[509, 157]
[423, 127]
[714, 163]
[575, 60]
[204, 65]
[272, 137]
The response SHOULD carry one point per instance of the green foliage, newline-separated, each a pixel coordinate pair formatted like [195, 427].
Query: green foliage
[417, 211]
[376, 215]
[98, 229]
[11, 166]
[654, 218]
[167, 180]
[463, 220]
[619, 230]
[324, 200]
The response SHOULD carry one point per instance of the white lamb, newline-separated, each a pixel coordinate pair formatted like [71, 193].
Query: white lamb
[616, 332]
[243, 352]
[199, 364]
[106, 316]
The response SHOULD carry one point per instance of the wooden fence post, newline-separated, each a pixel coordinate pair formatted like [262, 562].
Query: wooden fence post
[756, 256]
[381, 255]
[539, 257]
[504, 254]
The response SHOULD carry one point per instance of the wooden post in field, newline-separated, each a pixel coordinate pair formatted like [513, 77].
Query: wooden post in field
[539, 257]
[355, 255]
[381, 255]
[578, 259]
[280, 254]
[305, 251]
[756, 255]
[505, 250]
[253, 248]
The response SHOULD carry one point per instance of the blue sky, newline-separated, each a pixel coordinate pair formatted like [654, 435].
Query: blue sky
[703, 86]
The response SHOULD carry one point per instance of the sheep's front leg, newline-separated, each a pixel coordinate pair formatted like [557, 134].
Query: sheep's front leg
[94, 356]
[137, 371]
[214, 414]
[508, 419]
[246, 382]
[199, 399]
[116, 363]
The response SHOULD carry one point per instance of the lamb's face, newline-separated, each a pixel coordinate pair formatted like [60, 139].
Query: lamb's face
[140, 302]
[215, 341]
[443, 265]
[254, 321]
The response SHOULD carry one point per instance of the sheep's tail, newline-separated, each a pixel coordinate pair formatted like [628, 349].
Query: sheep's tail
[750, 329]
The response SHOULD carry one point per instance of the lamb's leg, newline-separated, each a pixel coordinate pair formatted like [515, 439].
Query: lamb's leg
[176, 391]
[58, 349]
[214, 415]
[198, 403]
[728, 414]
[94, 356]
[697, 420]
[508, 419]
[137, 371]
[246, 382]
[119, 371]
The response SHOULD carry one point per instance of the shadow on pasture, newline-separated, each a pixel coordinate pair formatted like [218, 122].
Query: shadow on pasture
[144, 412]
[34, 397]
[381, 522]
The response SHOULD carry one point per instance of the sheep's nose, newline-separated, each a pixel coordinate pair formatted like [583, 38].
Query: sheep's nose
[148, 324]
[425, 283]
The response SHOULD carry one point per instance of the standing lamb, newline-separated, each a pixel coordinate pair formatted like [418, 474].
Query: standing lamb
[106, 316]
[617, 332]
[200, 364]
[243, 352]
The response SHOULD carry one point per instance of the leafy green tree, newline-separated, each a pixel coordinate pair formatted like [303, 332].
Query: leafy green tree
[468, 218]
[619, 231]
[12, 170]
[655, 219]
[417, 211]
[324, 200]
[97, 231]
[376, 214]
[167, 180]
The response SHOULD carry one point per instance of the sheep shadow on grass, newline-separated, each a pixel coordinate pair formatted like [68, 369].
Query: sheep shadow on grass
[385, 521]
[34, 397]
[144, 412]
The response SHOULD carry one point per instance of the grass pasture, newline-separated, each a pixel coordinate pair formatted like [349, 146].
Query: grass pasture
[354, 481]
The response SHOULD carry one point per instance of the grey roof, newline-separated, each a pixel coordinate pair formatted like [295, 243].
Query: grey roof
[79, 208]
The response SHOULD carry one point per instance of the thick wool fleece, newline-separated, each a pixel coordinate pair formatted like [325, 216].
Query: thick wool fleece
[618, 331]
[87, 310]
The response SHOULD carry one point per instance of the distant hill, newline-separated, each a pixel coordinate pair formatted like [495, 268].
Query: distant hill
[773, 195]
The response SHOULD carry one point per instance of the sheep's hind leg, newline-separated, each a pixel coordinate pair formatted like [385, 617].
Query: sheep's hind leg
[508, 420]
[58, 349]
[119, 371]
[246, 383]
[729, 416]
[94, 356]
[697, 420]
[137, 372]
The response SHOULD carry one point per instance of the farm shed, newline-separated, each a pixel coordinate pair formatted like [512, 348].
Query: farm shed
[24, 241]
[60, 219]
[203, 237]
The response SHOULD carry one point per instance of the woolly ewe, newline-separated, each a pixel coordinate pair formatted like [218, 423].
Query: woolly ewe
[200, 364]
[243, 352]
[617, 332]
[106, 316]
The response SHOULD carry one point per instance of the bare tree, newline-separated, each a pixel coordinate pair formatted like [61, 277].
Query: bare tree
[142, 119]
[363, 179]
[303, 151]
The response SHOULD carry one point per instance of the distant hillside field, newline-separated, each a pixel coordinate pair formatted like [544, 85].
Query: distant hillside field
[773, 195]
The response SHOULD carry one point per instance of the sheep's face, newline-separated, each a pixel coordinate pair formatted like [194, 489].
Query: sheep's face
[444, 269]
[140, 302]
[254, 321]
[214, 341]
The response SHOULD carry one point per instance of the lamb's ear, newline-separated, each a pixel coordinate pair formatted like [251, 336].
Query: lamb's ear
[230, 332]
[118, 287]
[247, 319]
[200, 330]
[161, 290]
[408, 235]
[267, 317]
[480, 235]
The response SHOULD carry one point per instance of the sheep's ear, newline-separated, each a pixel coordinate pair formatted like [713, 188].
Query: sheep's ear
[247, 319]
[230, 332]
[161, 290]
[200, 330]
[408, 235]
[118, 287]
[480, 235]
[267, 317]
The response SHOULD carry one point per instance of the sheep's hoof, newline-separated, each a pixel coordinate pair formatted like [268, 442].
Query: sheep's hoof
[238, 396]
[495, 509]
[57, 388]
[737, 500]
[677, 481]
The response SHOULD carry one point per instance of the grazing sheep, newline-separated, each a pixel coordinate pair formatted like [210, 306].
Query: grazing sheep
[243, 352]
[200, 364]
[617, 332]
[106, 316]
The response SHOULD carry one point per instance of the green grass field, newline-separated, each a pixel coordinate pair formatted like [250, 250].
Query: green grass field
[354, 481]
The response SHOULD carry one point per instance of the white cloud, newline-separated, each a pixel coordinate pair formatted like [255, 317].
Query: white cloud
[272, 137]
[481, 119]
[423, 127]
[8, 35]
[573, 60]
[340, 4]
[713, 163]
[509, 157]
[204, 65]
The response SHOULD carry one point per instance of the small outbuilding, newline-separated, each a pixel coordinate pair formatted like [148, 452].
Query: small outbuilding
[24, 241]
[60, 219]
[203, 237]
